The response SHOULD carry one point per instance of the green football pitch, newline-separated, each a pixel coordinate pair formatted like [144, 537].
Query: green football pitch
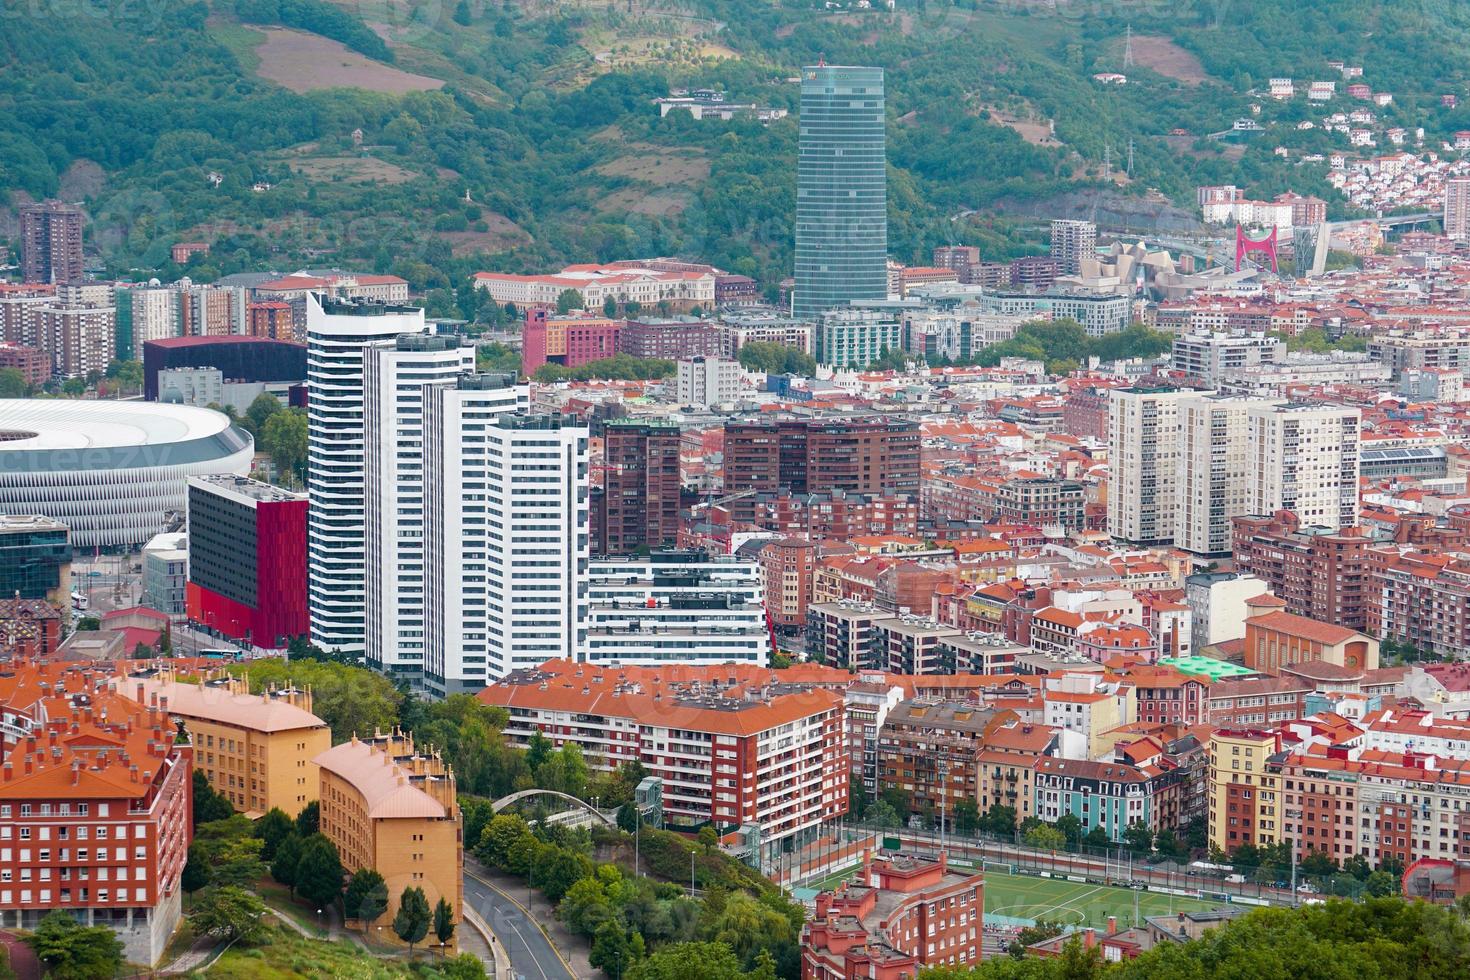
[1077, 903]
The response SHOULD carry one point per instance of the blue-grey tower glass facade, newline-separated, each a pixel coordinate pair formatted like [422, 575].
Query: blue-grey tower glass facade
[841, 196]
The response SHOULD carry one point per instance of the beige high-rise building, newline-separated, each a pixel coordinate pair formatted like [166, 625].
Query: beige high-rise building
[1071, 242]
[1306, 460]
[1457, 208]
[1144, 451]
[1216, 470]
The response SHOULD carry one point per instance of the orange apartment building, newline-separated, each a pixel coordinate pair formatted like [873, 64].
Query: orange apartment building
[1244, 791]
[390, 807]
[255, 749]
[903, 914]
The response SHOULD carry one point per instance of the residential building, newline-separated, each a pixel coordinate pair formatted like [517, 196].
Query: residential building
[1256, 702]
[1320, 573]
[1215, 471]
[506, 535]
[256, 750]
[903, 914]
[852, 338]
[670, 338]
[708, 382]
[272, 319]
[956, 257]
[568, 340]
[683, 607]
[1167, 696]
[1422, 599]
[35, 559]
[748, 326]
[787, 569]
[929, 750]
[841, 190]
[80, 338]
[166, 572]
[1108, 795]
[1246, 805]
[1144, 450]
[842, 634]
[396, 383]
[29, 628]
[1208, 357]
[1099, 313]
[338, 336]
[836, 516]
[622, 282]
[1043, 502]
[248, 560]
[1457, 208]
[94, 808]
[32, 363]
[862, 454]
[639, 500]
[868, 702]
[1306, 460]
[753, 753]
[1072, 242]
[51, 242]
[388, 806]
[1217, 605]
[1087, 704]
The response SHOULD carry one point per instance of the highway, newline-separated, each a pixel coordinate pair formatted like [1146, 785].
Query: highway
[532, 957]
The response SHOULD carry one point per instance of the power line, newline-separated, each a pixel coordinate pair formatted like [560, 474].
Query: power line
[1128, 49]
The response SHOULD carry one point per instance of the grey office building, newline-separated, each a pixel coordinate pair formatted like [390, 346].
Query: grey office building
[841, 198]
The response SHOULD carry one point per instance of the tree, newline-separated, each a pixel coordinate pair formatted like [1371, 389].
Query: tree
[261, 409]
[283, 437]
[1097, 839]
[1317, 863]
[272, 829]
[443, 922]
[462, 13]
[1139, 839]
[498, 837]
[966, 816]
[564, 771]
[709, 838]
[628, 817]
[13, 383]
[230, 851]
[1030, 935]
[228, 912]
[1045, 838]
[72, 951]
[288, 859]
[366, 897]
[615, 950]
[209, 806]
[568, 300]
[90, 624]
[688, 961]
[999, 820]
[308, 821]
[1071, 827]
[319, 872]
[465, 966]
[882, 814]
[196, 869]
[411, 922]
[555, 873]
[773, 358]
[609, 308]
[538, 749]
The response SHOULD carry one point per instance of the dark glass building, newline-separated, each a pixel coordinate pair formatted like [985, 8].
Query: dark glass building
[35, 559]
[841, 190]
[238, 358]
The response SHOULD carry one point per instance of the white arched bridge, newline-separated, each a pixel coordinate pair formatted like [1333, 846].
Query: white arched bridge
[526, 794]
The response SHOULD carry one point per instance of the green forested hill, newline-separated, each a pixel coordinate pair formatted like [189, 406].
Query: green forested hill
[541, 112]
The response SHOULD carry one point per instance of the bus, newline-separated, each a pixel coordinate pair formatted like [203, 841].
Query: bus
[80, 602]
[1206, 868]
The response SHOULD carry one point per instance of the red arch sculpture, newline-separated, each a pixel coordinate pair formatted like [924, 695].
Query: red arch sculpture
[1244, 245]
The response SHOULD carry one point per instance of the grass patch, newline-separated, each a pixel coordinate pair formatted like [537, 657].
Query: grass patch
[286, 955]
[282, 903]
[241, 42]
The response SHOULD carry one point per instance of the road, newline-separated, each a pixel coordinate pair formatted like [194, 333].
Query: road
[531, 954]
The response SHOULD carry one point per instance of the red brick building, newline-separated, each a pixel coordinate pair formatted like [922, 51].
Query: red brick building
[1165, 696]
[1085, 412]
[94, 807]
[272, 319]
[904, 913]
[1321, 574]
[33, 364]
[868, 455]
[567, 340]
[29, 627]
[671, 340]
[836, 516]
[638, 503]
[1425, 600]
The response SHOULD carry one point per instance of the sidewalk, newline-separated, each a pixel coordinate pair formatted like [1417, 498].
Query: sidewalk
[573, 948]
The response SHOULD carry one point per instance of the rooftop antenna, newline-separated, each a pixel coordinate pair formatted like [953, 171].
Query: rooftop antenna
[1128, 48]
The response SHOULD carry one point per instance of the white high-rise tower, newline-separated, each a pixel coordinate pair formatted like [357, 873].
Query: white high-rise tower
[337, 334]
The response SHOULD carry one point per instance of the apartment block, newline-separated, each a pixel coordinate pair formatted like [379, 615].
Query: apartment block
[51, 242]
[1457, 208]
[1216, 471]
[639, 500]
[255, 749]
[747, 753]
[389, 806]
[852, 338]
[94, 807]
[1072, 242]
[1144, 453]
[1245, 801]
[1420, 598]
[1208, 358]
[1320, 573]
[1306, 458]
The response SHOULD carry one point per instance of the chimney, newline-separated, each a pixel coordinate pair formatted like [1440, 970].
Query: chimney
[76, 771]
[140, 692]
[1112, 924]
[9, 772]
[28, 763]
[133, 772]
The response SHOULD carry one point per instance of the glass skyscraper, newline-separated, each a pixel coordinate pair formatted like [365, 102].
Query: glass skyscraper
[841, 197]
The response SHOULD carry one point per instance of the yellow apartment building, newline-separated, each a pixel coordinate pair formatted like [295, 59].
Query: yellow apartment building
[1245, 791]
[390, 807]
[255, 749]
